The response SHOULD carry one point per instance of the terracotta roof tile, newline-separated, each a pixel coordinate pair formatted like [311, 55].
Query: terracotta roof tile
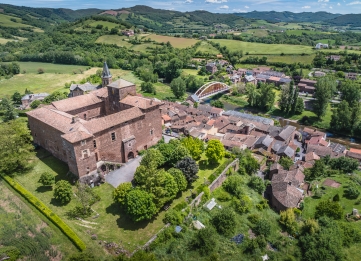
[77, 102]
[140, 102]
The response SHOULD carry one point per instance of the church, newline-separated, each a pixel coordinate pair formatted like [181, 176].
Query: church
[111, 124]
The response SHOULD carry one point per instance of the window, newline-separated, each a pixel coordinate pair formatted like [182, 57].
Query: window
[130, 144]
[83, 142]
[151, 132]
[113, 136]
[84, 116]
[95, 143]
[85, 154]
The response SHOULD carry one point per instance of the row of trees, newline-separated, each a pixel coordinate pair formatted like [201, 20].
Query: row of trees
[289, 101]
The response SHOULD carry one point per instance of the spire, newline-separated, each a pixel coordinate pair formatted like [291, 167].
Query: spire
[106, 72]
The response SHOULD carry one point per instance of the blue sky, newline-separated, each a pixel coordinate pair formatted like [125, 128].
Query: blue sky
[216, 6]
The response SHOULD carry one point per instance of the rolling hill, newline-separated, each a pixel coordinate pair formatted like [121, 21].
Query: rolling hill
[353, 20]
[273, 16]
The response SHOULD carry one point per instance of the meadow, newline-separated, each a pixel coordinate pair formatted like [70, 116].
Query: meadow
[110, 25]
[206, 47]
[121, 41]
[6, 22]
[35, 239]
[176, 42]
[259, 48]
[289, 59]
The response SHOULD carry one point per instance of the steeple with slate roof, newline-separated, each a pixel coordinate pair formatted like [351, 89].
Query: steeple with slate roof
[106, 76]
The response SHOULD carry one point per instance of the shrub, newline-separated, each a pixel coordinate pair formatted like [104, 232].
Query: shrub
[47, 212]
[173, 217]
[243, 205]
[352, 190]
[257, 184]
[254, 218]
[263, 227]
[225, 221]
[336, 197]
[47, 179]
[41, 71]
[63, 191]
[330, 209]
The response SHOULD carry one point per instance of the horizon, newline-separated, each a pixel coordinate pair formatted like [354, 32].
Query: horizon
[213, 6]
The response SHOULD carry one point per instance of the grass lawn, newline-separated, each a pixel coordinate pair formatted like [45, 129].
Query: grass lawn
[110, 25]
[260, 48]
[142, 47]
[206, 47]
[191, 72]
[163, 91]
[114, 39]
[51, 81]
[176, 42]
[22, 227]
[305, 59]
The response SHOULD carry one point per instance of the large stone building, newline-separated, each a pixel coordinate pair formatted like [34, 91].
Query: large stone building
[111, 124]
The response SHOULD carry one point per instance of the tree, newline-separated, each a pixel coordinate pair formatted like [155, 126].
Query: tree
[257, 184]
[178, 87]
[147, 87]
[262, 227]
[286, 162]
[215, 151]
[139, 205]
[288, 219]
[173, 69]
[55, 96]
[217, 104]
[114, 31]
[189, 168]
[173, 217]
[47, 179]
[86, 198]
[252, 93]
[225, 221]
[284, 99]
[350, 92]
[243, 204]
[16, 98]
[194, 146]
[16, 147]
[152, 159]
[329, 209]
[352, 190]
[300, 106]
[341, 117]
[121, 192]
[63, 191]
[205, 241]
[233, 185]
[345, 164]
[318, 170]
[35, 104]
[9, 110]
[266, 98]
[325, 86]
[179, 178]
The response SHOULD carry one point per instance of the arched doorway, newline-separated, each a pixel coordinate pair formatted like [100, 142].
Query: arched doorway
[130, 155]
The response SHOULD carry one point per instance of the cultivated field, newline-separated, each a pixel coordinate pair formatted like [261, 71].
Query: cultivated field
[205, 47]
[51, 81]
[121, 41]
[110, 25]
[305, 59]
[259, 48]
[23, 229]
[176, 42]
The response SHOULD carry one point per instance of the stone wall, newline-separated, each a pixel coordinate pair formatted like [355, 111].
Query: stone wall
[222, 177]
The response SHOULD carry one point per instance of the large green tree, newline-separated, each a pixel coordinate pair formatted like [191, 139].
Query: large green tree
[173, 69]
[178, 87]
[225, 221]
[341, 117]
[189, 168]
[140, 205]
[330, 209]
[252, 93]
[325, 87]
[215, 151]
[121, 192]
[194, 146]
[350, 91]
[16, 147]
[9, 110]
[179, 178]
[266, 98]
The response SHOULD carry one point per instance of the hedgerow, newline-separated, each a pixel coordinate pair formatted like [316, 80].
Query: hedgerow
[47, 212]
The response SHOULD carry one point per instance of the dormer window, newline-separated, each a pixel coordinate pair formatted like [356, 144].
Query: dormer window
[83, 142]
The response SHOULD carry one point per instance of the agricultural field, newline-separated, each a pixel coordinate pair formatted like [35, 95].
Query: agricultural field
[300, 32]
[260, 48]
[121, 41]
[22, 229]
[206, 47]
[305, 59]
[6, 22]
[176, 42]
[326, 41]
[110, 25]
[144, 47]
[53, 79]
[255, 32]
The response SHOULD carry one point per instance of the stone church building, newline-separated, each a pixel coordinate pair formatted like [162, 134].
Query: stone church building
[111, 124]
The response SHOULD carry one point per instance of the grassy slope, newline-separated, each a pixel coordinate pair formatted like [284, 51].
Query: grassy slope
[259, 48]
[205, 47]
[6, 22]
[17, 216]
[305, 59]
[110, 25]
[114, 39]
[174, 41]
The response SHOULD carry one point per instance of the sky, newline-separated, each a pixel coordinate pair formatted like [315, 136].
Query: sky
[215, 6]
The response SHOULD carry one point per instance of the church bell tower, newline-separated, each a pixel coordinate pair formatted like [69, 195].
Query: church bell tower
[106, 76]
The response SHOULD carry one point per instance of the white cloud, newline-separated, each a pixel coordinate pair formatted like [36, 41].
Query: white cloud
[330, 7]
[224, 7]
[216, 1]
[246, 6]
[354, 3]
[239, 11]
[323, 1]
[338, 4]
[306, 7]
[188, 1]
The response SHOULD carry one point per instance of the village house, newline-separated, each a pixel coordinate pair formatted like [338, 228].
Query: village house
[128, 32]
[334, 57]
[111, 124]
[319, 74]
[81, 89]
[351, 76]
[321, 46]
[307, 86]
[28, 99]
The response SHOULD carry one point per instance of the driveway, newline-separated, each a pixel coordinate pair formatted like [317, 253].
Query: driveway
[124, 173]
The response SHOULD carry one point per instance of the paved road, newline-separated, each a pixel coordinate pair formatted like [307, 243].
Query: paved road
[124, 173]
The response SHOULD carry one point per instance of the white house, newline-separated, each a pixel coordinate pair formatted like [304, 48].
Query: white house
[321, 45]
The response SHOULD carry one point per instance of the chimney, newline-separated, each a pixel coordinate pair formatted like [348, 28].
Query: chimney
[75, 119]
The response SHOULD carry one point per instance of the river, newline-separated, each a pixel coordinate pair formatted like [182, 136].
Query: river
[344, 140]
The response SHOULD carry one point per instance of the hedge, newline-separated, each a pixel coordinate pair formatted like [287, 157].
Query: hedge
[47, 212]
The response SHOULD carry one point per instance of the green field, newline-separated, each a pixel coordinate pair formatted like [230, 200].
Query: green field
[206, 47]
[23, 228]
[6, 22]
[114, 39]
[305, 59]
[176, 42]
[51, 81]
[256, 32]
[300, 32]
[110, 25]
[326, 41]
[259, 48]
